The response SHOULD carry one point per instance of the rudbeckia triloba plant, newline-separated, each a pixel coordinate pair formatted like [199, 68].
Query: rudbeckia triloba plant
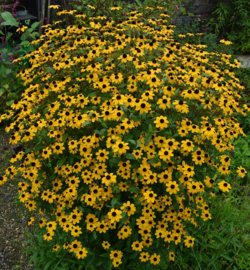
[129, 136]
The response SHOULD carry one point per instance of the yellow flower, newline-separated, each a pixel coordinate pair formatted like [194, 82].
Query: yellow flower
[81, 253]
[226, 42]
[241, 171]
[144, 256]
[90, 6]
[224, 186]
[172, 187]
[114, 215]
[115, 254]
[115, 7]
[56, 247]
[189, 241]
[161, 122]
[108, 179]
[54, 6]
[31, 221]
[150, 196]
[155, 259]
[206, 215]
[171, 256]
[22, 28]
[51, 225]
[48, 236]
[137, 246]
[165, 154]
[181, 35]
[105, 244]
[121, 147]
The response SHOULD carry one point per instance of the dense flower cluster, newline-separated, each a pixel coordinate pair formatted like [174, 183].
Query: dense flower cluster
[130, 135]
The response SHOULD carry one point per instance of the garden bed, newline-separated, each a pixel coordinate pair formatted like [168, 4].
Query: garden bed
[13, 216]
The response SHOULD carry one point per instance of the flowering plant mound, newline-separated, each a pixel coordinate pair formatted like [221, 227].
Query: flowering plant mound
[130, 136]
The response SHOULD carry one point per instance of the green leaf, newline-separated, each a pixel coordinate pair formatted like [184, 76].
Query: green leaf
[115, 160]
[101, 132]
[240, 243]
[9, 20]
[172, 246]
[71, 160]
[134, 189]
[4, 50]
[154, 159]
[50, 70]
[227, 258]
[61, 162]
[148, 138]
[186, 201]
[130, 156]
[113, 202]
[2, 91]
[47, 265]
[93, 94]
[9, 103]
[80, 208]
[100, 262]
[135, 118]
[86, 123]
[105, 255]
[124, 109]
[134, 255]
[1, 32]
[122, 221]
[176, 206]
[95, 235]
[127, 137]
[104, 125]
[65, 136]
[150, 128]
[8, 37]
[183, 10]
[35, 24]
[128, 249]
[138, 144]
[24, 43]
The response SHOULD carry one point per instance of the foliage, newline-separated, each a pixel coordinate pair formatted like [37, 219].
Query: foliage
[221, 243]
[11, 87]
[130, 134]
[243, 74]
[241, 156]
[170, 6]
[231, 21]
[199, 32]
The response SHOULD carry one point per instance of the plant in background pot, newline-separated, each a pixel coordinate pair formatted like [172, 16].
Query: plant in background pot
[21, 12]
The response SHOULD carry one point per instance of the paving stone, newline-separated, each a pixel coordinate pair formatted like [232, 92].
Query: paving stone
[245, 60]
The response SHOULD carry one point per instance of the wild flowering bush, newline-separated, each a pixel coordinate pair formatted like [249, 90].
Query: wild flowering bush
[129, 134]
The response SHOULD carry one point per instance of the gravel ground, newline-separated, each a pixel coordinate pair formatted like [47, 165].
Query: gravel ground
[13, 216]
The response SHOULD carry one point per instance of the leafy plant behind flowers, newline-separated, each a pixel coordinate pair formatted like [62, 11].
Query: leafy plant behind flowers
[11, 87]
[130, 133]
